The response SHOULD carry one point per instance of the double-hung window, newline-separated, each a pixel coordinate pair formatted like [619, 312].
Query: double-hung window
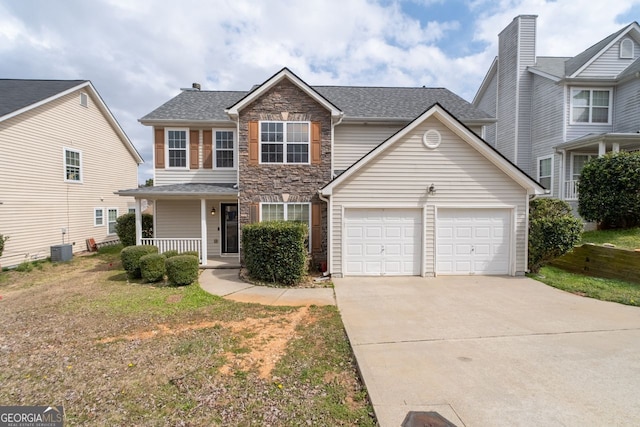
[177, 148]
[578, 161]
[72, 165]
[286, 212]
[224, 149]
[112, 216]
[591, 106]
[545, 172]
[284, 142]
[98, 217]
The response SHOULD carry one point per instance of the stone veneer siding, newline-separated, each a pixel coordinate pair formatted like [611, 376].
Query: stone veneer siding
[267, 182]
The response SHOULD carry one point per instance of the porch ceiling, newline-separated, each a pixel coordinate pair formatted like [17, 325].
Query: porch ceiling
[626, 141]
[181, 190]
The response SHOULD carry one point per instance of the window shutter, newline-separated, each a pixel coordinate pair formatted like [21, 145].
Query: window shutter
[194, 141]
[316, 139]
[316, 227]
[254, 214]
[207, 149]
[159, 147]
[253, 143]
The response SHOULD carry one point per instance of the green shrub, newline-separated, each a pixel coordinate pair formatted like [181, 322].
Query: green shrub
[24, 267]
[130, 257]
[275, 251]
[609, 190]
[152, 267]
[2, 240]
[182, 269]
[192, 253]
[126, 228]
[553, 231]
[170, 253]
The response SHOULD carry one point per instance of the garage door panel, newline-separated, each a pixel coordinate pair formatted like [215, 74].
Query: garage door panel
[390, 240]
[462, 232]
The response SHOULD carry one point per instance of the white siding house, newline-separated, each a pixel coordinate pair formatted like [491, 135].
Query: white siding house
[62, 156]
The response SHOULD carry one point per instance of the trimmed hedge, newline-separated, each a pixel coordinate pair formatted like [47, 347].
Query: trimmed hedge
[182, 269]
[553, 231]
[130, 257]
[171, 253]
[192, 253]
[126, 228]
[152, 267]
[275, 251]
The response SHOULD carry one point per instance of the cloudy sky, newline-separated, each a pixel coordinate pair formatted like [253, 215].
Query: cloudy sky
[139, 53]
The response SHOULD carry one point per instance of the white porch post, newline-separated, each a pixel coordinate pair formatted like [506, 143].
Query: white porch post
[138, 221]
[563, 176]
[602, 148]
[616, 147]
[203, 230]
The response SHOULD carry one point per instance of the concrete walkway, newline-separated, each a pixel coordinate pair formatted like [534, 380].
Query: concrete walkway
[492, 351]
[226, 283]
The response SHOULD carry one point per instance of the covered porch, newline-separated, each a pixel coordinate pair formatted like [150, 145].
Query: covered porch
[200, 218]
[577, 153]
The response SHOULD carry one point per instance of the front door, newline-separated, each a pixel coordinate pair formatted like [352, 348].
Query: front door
[229, 228]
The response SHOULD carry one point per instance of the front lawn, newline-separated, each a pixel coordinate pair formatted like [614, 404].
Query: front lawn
[625, 239]
[115, 352]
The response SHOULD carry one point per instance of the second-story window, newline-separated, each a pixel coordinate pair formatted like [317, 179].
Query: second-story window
[284, 142]
[177, 148]
[590, 106]
[72, 165]
[224, 149]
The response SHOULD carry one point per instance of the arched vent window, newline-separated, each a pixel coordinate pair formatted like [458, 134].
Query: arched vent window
[626, 49]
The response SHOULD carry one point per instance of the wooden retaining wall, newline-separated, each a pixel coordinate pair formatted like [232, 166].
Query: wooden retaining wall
[599, 261]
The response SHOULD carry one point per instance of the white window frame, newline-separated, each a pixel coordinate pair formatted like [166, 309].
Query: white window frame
[84, 99]
[285, 213]
[95, 217]
[110, 222]
[166, 148]
[233, 150]
[629, 42]
[285, 142]
[590, 106]
[65, 165]
[573, 155]
[540, 159]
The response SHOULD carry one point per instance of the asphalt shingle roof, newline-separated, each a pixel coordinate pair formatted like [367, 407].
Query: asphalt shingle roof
[551, 65]
[16, 94]
[573, 64]
[194, 189]
[356, 102]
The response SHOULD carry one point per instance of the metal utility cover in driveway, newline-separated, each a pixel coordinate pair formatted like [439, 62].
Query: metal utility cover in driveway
[492, 351]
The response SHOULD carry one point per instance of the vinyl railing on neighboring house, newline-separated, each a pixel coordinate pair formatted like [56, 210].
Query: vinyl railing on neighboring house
[180, 245]
[571, 190]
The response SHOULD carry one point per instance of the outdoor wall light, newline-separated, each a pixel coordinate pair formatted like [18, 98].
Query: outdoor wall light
[213, 211]
[431, 189]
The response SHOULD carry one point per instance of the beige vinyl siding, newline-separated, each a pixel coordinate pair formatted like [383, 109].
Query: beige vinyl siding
[177, 219]
[354, 141]
[167, 176]
[36, 201]
[609, 64]
[400, 176]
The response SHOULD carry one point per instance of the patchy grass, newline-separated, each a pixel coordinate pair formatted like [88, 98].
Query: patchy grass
[593, 287]
[116, 352]
[626, 239]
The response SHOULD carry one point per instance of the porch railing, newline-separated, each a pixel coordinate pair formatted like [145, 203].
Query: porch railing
[571, 190]
[180, 245]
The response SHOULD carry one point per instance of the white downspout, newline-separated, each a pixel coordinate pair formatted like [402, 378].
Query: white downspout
[203, 230]
[138, 215]
[329, 229]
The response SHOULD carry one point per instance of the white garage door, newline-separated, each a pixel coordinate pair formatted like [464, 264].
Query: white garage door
[473, 241]
[383, 242]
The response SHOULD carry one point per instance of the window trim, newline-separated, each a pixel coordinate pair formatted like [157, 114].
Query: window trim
[64, 163]
[95, 217]
[631, 52]
[233, 150]
[108, 222]
[166, 149]
[284, 142]
[550, 176]
[285, 212]
[591, 90]
[84, 99]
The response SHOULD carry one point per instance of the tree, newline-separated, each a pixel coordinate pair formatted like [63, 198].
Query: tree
[553, 231]
[609, 190]
[149, 182]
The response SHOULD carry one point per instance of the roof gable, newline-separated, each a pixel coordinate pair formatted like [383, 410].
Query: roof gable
[285, 73]
[440, 113]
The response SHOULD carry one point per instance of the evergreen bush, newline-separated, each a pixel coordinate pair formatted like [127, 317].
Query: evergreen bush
[126, 228]
[152, 267]
[130, 257]
[182, 270]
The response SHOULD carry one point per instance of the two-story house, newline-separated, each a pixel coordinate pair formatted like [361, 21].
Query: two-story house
[392, 181]
[554, 114]
[62, 156]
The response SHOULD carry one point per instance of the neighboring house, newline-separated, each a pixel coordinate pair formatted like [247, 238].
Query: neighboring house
[62, 156]
[390, 181]
[554, 114]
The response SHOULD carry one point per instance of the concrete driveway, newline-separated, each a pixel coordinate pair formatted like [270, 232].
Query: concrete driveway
[492, 351]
